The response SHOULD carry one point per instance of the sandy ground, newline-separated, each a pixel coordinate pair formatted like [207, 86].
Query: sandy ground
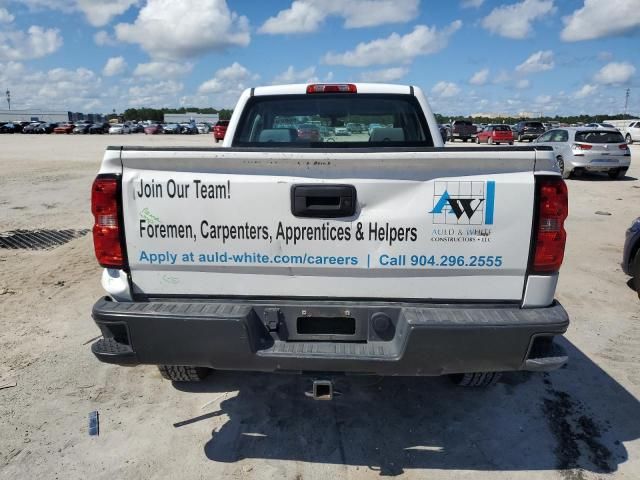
[581, 422]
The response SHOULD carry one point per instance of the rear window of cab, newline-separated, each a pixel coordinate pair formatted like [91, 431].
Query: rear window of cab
[599, 136]
[320, 121]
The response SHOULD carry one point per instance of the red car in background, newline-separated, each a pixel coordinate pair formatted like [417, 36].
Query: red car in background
[495, 134]
[309, 132]
[64, 128]
[220, 129]
[154, 129]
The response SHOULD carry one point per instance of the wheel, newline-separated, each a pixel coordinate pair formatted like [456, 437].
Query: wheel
[490, 140]
[616, 173]
[628, 139]
[465, 140]
[179, 373]
[565, 174]
[479, 379]
[635, 269]
[510, 143]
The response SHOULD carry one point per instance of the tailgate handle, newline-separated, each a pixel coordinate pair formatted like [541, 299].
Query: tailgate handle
[323, 201]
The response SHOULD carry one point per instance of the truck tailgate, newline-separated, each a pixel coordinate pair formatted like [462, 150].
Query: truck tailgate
[428, 224]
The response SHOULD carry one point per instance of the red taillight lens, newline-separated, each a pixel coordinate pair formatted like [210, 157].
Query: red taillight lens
[582, 146]
[332, 88]
[550, 236]
[624, 146]
[106, 228]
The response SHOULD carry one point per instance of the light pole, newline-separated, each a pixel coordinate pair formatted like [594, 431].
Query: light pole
[626, 102]
[8, 98]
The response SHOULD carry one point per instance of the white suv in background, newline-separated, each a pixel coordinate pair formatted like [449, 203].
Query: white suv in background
[632, 133]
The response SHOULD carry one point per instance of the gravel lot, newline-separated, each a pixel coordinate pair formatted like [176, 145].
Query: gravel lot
[581, 422]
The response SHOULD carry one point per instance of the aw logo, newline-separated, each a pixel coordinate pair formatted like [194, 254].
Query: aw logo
[463, 203]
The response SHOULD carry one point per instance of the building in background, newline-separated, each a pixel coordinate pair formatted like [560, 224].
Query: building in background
[51, 116]
[187, 117]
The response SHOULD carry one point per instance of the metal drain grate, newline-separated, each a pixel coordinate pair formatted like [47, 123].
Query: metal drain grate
[38, 239]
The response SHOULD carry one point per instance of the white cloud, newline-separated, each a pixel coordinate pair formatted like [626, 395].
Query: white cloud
[102, 38]
[523, 84]
[97, 12]
[471, 3]
[480, 77]
[36, 42]
[396, 48]
[100, 13]
[162, 69]
[291, 75]
[615, 73]
[114, 66]
[543, 99]
[156, 94]
[173, 29]
[304, 16]
[445, 89]
[232, 77]
[585, 91]
[5, 16]
[385, 75]
[514, 21]
[537, 62]
[599, 18]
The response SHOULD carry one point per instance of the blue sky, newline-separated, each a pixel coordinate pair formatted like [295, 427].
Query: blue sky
[469, 56]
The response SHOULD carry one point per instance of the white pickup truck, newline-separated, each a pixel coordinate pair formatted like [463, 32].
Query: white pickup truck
[297, 250]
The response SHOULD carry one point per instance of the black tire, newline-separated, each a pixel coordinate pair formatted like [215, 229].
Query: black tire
[564, 173]
[510, 143]
[179, 373]
[465, 140]
[476, 380]
[628, 139]
[635, 270]
[616, 173]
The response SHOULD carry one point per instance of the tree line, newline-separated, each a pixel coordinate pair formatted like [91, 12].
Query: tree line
[157, 114]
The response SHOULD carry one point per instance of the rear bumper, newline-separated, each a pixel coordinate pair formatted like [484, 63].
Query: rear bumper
[595, 164]
[420, 339]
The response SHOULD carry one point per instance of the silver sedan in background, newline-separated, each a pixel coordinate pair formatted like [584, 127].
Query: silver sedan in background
[585, 149]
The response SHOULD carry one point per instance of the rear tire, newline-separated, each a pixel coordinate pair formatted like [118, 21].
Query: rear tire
[617, 173]
[628, 139]
[635, 270]
[476, 380]
[180, 373]
[565, 174]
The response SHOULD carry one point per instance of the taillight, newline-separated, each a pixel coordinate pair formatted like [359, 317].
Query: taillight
[624, 146]
[550, 236]
[106, 228]
[581, 146]
[332, 88]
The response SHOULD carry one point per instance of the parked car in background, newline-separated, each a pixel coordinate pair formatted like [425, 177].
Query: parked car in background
[495, 134]
[341, 132]
[580, 149]
[220, 129]
[311, 133]
[462, 130]
[99, 128]
[11, 127]
[45, 128]
[373, 126]
[188, 129]
[31, 128]
[82, 128]
[444, 132]
[65, 128]
[119, 129]
[153, 129]
[203, 127]
[171, 128]
[631, 254]
[600, 125]
[632, 132]
[528, 130]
